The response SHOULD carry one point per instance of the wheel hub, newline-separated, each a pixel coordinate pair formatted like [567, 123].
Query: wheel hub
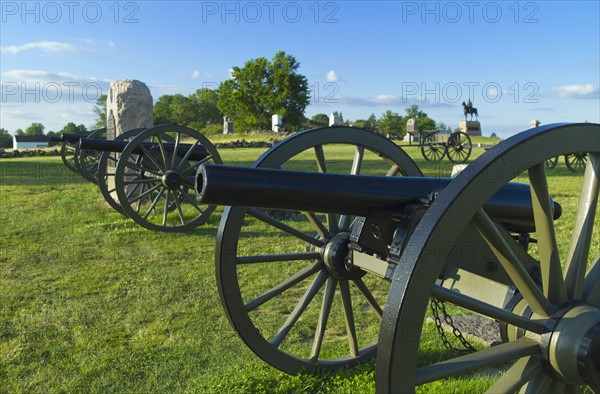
[573, 346]
[172, 179]
[335, 254]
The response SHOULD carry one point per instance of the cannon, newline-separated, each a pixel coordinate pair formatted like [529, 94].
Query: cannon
[352, 276]
[68, 148]
[147, 174]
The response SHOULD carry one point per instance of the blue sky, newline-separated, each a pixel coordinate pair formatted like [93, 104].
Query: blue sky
[516, 61]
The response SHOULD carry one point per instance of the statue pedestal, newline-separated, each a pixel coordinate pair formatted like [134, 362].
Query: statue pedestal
[470, 127]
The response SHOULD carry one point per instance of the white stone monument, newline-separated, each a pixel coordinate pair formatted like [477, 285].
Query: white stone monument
[412, 130]
[227, 125]
[534, 123]
[128, 106]
[335, 119]
[277, 123]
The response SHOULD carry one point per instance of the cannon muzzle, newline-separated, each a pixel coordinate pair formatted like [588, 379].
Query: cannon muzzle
[348, 194]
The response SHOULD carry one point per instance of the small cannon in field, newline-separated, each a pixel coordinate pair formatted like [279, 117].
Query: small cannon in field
[351, 277]
[146, 174]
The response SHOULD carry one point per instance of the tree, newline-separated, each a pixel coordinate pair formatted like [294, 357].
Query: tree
[100, 111]
[175, 109]
[71, 128]
[208, 112]
[414, 112]
[441, 126]
[19, 132]
[6, 140]
[391, 122]
[319, 120]
[264, 88]
[35, 129]
[423, 121]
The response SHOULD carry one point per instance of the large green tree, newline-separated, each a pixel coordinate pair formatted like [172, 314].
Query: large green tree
[100, 111]
[263, 88]
[35, 128]
[319, 120]
[391, 122]
[6, 140]
[72, 128]
[424, 122]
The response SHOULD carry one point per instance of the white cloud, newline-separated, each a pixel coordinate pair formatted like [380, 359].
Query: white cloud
[195, 74]
[575, 91]
[112, 44]
[332, 76]
[46, 46]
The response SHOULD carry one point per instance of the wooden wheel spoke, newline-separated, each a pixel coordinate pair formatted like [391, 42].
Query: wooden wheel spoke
[520, 373]
[349, 314]
[358, 159]
[197, 164]
[488, 310]
[271, 258]
[150, 157]
[175, 147]
[166, 209]
[543, 212]
[144, 194]
[323, 316]
[187, 155]
[582, 233]
[317, 224]
[178, 205]
[591, 285]
[539, 384]
[154, 202]
[321, 162]
[137, 167]
[393, 171]
[344, 223]
[190, 200]
[508, 254]
[505, 352]
[300, 308]
[283, 286]
[369, 296]
[284, 227]
[162, 151]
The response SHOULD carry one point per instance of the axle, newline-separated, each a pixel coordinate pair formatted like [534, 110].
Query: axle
[370, 196]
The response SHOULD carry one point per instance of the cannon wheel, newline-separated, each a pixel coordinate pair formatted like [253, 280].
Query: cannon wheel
[431, 149]
[87, 159]
[67, 153]
[551, 162]
[576, 161]
[278, 292]
[558, 348]
[156, 188]
[459, 147]
[107, 169]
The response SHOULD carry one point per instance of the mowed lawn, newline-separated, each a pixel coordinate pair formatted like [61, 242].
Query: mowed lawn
[91, 302]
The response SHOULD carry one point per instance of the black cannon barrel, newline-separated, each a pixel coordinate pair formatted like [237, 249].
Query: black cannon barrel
[198, 153]
[68, 137]
[347, 194]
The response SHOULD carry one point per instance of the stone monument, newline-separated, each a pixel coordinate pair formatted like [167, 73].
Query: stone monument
[128, 106]
[335, 119]
[534, 123]
[412, 130]
[227, 125]
[471, 127]
[277, 123]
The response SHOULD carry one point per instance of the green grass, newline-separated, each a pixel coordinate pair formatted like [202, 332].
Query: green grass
[91, 302]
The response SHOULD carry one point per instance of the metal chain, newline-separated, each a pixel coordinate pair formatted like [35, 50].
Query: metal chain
[438, 306]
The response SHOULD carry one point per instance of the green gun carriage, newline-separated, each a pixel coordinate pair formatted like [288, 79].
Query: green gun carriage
[351, 277]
